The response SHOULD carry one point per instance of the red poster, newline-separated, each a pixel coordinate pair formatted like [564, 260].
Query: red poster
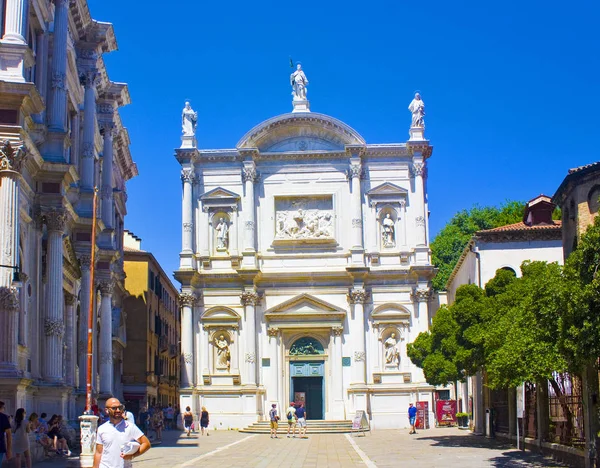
[422, 415]
[445, 412]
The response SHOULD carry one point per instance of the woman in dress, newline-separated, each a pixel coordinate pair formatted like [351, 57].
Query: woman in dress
[157, 423]
[188, 420]
[21, 439]
[204, 421]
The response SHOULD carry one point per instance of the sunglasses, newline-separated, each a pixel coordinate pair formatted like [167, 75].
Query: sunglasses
[116, 408]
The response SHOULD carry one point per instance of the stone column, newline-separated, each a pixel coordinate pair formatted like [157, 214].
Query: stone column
[108, 131]
[9, 309]
[207, 367]
[186, 302]
[419, 203]
[273, 333]
[187, 210]
[70, 339]
[106, 355]
[15, 21]
[54, 327]
[337, 370]
[58, 94]
[88, 79]
[354, 174]
[9, 211]
[357, 298]
[249, 176]
[84, 307]
[250, 299]
[404, 223]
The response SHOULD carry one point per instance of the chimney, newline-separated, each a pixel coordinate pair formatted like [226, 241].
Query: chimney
[539, 211]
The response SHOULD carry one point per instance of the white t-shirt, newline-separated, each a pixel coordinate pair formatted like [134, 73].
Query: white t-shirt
[291, 410]
[112, 437]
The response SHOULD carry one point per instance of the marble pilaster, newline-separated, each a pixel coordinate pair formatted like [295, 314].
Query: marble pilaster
[14, 51]
[15, 21]
[249, 177]
[187, 178]
[357, 298]
[108, 132]
[58, 94]
[187, 302]
[419, 203]
[70, 338]
[84, 303]
[250, 299]
[87, 155]
[9, 309]
[106, 354]
[54, 327]
[354, 174]
[274, 334]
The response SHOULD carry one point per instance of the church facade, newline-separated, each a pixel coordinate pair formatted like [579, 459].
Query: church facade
[305, 270]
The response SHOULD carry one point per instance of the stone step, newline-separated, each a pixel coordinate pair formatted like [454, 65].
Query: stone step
[314, 426]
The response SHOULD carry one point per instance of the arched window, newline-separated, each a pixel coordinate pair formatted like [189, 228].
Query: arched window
[306, 346]
[593, 199]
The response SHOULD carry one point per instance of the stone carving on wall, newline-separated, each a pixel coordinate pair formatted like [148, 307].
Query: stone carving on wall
[388, 232]
[299, 82]
[304, 218]
[417, 108]
[188, 358]
[55, 220]
[250, 357]
[390, 348]
[250, 298]
[357, 296]
[189, 120]
[421, 294]
[9, 299]
[306, 346]
[359, 356]
[223, 356]
[222, 232]
[186, 299]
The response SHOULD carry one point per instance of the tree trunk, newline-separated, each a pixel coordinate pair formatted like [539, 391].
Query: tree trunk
[590, 413]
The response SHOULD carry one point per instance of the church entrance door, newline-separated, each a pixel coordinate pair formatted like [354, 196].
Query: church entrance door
[306, 386]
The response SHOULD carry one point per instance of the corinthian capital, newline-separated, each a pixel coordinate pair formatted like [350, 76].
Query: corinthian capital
[250, 298]
[357, 296]
[12, 157]
[106, 287]
[9, 299]
[55, 220]
[186, 299]
[85, 262]
[89, 78]
[418, 169]
[421, 294]
[187, 175]
[355, 170]
[249, 174]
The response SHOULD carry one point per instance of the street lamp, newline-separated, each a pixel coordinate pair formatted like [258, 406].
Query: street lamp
[16, 282]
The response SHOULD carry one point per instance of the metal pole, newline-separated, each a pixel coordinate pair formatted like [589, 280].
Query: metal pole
[88, 383]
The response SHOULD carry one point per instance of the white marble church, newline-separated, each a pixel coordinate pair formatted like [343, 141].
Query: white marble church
[305, 269]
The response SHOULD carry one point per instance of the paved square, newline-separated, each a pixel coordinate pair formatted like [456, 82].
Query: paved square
[445, 448]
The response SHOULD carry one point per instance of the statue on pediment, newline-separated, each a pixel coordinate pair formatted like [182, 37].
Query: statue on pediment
[189, 119]
[417, 107]
[299, 82]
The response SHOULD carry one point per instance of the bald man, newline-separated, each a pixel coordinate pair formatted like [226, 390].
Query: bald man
[113, 434]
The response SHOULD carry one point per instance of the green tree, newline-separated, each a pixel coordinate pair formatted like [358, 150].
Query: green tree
[448, 245]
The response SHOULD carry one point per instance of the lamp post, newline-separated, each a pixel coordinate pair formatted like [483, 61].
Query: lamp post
[88, 421]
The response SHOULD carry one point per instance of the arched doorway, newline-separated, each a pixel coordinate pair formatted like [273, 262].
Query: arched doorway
[307, 376]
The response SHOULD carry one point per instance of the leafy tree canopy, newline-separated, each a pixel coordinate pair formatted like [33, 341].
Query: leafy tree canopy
[452, 239]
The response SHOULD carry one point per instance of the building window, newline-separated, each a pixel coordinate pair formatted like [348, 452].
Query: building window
[593, 197]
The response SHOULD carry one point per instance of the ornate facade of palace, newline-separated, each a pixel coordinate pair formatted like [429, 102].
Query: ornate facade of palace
[61, 136]
[305, 271]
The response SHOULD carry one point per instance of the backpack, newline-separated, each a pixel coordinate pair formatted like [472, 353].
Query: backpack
[289, 415]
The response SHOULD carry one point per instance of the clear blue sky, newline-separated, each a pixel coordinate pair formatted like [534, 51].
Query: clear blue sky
[511, 88]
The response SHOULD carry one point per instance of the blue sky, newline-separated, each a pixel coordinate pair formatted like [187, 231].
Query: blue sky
[511, 89]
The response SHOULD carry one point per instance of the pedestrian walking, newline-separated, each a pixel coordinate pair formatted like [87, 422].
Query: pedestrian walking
[21, 429]
[290, 414]
[157, 423]
[301, 415]
[204, 420]
[5, 436]
[118, 440]
[274, 421]
[188, 420]
[412, 417]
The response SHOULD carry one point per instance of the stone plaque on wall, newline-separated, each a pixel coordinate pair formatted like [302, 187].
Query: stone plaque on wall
[305, 219]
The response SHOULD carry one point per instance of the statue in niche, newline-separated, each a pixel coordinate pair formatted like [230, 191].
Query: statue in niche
[223, 353]
[189, 119]
[222, 230]
[388, 234]
[417, 107]
[299, 82]
[392, 355]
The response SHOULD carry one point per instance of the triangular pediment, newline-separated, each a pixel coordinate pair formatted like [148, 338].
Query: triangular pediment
[219, 193]
[387, 188]
[305, 306]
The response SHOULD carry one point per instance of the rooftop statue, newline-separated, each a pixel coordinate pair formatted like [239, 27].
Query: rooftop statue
[299, 82]
[417, 107]
[189, 119]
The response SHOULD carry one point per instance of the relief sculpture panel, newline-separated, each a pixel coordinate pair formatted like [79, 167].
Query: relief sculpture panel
[304, 219]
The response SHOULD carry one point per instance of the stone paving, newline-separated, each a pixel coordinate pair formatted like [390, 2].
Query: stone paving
[447, 448]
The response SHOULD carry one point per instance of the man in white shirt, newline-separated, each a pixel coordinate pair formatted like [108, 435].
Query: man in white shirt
[290, 414]
[114, 434]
